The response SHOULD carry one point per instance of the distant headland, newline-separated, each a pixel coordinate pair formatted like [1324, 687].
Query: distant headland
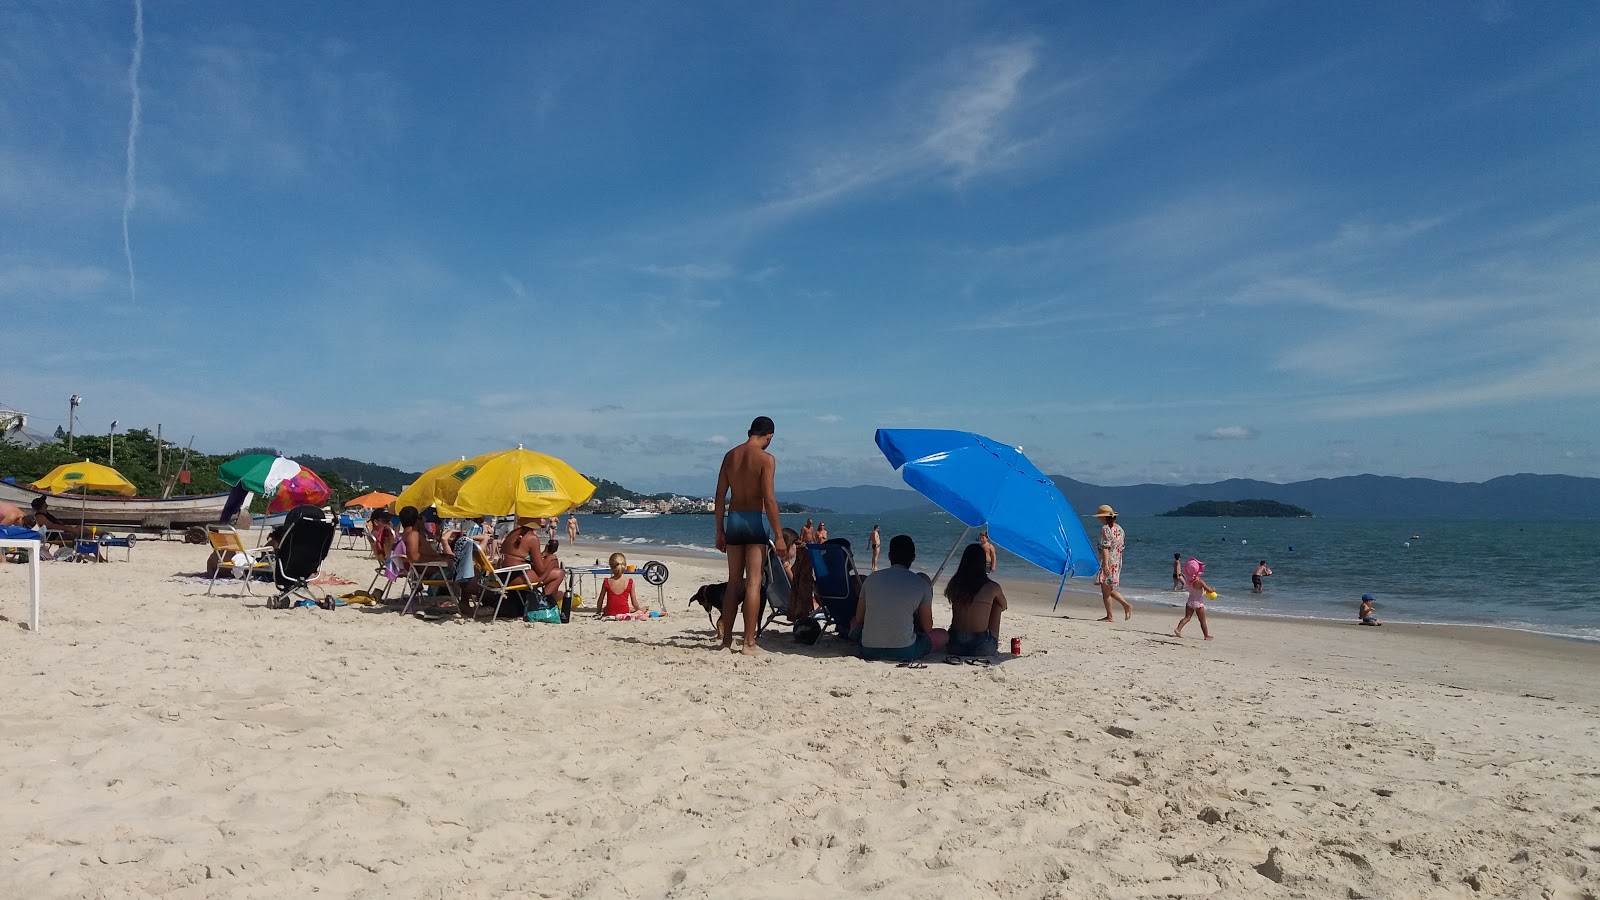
[1254, 509]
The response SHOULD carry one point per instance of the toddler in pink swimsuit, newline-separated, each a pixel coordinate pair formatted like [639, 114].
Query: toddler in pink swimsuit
[1196, 605]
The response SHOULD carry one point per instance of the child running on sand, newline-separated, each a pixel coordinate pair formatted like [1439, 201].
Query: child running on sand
[1198, 590]
[620, 600]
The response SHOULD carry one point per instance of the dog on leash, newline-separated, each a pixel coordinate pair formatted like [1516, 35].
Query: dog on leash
[710, 597]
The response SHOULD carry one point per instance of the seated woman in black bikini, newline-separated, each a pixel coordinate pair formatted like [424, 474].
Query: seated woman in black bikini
[976, 604]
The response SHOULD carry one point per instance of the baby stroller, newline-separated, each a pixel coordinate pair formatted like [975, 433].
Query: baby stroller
[307, 538]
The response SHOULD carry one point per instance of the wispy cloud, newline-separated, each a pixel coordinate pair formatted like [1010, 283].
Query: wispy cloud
[24, 281]
[959, 127]
[830, 418]
[514, 285]
[1229, 433]
[690, 271]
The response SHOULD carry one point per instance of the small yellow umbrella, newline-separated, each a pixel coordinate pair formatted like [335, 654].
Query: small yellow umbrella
[86, 476]
[518, 482]
[374, 500]
[438, 484]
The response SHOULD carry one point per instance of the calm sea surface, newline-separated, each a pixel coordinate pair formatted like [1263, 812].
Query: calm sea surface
[1538, 577]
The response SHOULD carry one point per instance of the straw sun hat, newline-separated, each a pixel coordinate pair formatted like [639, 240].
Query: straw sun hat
[1105, 512]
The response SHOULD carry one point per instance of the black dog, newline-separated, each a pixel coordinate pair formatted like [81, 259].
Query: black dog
[710, 597]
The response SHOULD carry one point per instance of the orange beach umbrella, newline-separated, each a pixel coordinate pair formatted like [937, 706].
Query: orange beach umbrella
[374, 500]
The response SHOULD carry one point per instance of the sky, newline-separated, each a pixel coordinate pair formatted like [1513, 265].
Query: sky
[1145, 242]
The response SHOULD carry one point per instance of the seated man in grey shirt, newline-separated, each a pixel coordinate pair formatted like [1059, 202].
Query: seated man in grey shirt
[894, 619]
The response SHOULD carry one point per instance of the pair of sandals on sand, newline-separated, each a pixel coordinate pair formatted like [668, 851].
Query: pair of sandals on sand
[978, 661]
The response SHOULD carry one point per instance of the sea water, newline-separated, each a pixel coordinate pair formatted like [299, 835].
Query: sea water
[1541, 577]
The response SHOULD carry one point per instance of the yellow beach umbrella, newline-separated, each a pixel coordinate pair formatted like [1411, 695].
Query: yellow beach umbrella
[86, 476]
[374, 500]
[438, 484]
[518, 482]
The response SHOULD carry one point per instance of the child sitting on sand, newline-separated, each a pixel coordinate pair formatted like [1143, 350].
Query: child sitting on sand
[1198, 590]
[1368, 615]
[618, 599]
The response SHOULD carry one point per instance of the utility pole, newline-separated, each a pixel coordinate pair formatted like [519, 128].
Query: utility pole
[159, 471]
[113, 460]
[72, 412]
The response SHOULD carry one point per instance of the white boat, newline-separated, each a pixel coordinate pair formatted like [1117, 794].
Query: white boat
[134, 512]
[637, 514]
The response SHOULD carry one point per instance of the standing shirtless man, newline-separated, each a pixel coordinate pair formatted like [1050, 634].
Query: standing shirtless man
[746, 473]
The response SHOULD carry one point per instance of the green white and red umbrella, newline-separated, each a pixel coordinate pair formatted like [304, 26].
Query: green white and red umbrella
[284, 482]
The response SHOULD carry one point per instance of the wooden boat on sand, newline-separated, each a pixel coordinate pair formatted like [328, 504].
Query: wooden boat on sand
[123, 512]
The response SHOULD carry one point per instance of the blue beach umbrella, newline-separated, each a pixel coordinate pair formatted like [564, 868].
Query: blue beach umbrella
[984, 482]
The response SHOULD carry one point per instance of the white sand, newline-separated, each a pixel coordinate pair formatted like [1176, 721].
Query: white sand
[158, 742]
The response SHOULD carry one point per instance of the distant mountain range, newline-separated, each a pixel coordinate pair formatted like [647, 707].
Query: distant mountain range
[1351, 497]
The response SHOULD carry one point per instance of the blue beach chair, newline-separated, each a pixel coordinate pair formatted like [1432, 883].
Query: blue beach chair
[838, 584]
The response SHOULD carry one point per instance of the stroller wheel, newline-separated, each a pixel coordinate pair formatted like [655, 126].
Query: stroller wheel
[654, 573]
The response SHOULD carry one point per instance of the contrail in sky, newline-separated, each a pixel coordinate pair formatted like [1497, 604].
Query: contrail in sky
[133, 141]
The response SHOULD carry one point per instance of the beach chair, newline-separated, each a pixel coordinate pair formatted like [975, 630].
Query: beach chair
[126, 542]
[351, 531]
[229, 546]
[499, 583]
[301, 552]
[391, 567]
[838, 585]
[422, 577]
[775, 590]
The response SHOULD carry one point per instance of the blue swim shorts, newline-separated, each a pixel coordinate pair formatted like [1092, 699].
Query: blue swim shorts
[745, 526]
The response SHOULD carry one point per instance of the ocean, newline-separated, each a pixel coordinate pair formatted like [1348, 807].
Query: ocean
[1540, 577]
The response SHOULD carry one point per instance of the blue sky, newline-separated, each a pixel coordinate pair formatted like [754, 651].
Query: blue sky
[1160, 242]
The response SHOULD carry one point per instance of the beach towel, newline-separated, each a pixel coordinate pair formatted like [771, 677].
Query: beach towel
[464, 569]
[18, 533]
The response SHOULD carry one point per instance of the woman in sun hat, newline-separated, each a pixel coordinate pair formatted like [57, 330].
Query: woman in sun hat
[1111, 541]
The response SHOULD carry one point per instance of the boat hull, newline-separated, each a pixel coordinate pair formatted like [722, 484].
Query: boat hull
[123, 512]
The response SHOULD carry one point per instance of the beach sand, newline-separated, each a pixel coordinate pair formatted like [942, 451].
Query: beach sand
[160, 742]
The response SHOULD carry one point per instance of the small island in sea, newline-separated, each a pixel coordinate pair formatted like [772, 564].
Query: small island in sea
[1265, 509]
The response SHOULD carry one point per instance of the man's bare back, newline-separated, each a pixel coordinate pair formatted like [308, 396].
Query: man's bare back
[746, 510]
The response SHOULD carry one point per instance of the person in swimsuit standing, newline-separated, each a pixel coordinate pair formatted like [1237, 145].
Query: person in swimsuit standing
[746, 504]
[988, 552]
[873, 540]
[1195, 606]
[1255, 579]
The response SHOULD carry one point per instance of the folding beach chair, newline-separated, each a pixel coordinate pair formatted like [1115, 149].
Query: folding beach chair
[499, 583]
[301, 552]
[775, 590]
[351, 531]
[229, 547]
[838, 585]
[126, 542]
[422, 577]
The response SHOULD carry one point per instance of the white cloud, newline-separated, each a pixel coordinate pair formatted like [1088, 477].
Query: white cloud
[690, 271]
[829, 418]
[1229, 433]
[720, 440]
[514, 285]
[958, 124]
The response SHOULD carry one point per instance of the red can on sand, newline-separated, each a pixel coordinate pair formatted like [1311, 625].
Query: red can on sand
[1016, 646]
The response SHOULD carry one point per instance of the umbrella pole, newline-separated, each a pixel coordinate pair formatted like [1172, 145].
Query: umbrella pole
[964, 532]
[1063, 586]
